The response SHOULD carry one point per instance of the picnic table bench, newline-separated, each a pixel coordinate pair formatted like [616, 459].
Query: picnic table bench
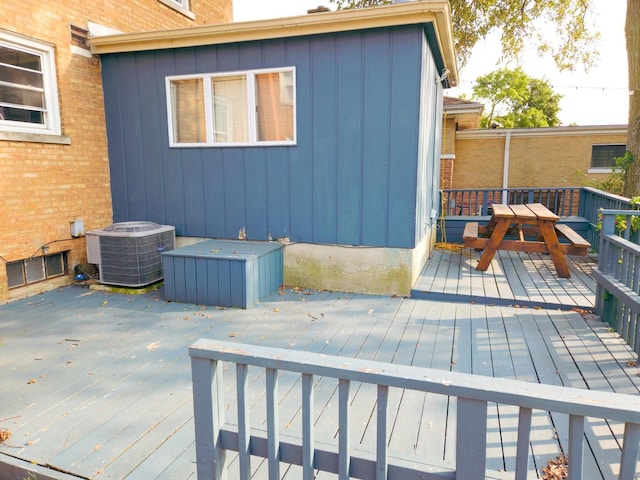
[535, 229]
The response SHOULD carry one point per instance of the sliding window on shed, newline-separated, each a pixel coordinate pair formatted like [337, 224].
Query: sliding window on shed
[253, 107]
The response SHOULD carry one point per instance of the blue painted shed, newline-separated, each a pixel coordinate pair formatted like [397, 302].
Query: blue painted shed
[321, 131]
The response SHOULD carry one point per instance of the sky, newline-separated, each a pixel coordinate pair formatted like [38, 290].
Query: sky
[598, 97]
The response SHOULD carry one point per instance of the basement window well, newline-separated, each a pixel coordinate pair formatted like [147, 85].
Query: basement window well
[36, 269]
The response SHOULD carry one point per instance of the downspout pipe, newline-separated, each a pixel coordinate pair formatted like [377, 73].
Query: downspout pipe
[505, 167]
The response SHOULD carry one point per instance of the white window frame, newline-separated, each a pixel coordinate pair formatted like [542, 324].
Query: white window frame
[252, 112]
[46, 53]
[180, 6]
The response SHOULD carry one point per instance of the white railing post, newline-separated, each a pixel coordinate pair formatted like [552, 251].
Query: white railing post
[208, 411]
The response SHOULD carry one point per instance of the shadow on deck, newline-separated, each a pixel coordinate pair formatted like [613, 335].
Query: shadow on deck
[97, 384]
[513, 278]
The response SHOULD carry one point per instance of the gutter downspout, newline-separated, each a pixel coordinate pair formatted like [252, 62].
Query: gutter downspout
[505, 167]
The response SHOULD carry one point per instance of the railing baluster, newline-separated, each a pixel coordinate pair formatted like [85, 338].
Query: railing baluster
[522, 449]
[471, 439]
[630, 446]
[308, 441]
[576, 446]
[381, 443]
[208, 409]
[344, 450]
[273, 424]
[244, 437]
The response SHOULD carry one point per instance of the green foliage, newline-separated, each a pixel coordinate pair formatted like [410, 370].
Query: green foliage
[516, 100]
[614, 183]
[556, 28]
[347, 4]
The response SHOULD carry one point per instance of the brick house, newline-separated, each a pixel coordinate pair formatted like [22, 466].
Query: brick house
[54, 172]
[523, 157]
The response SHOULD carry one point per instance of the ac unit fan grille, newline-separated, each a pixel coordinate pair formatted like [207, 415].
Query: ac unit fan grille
[134, 260]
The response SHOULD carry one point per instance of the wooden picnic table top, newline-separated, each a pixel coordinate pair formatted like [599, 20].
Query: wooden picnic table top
[529, 211]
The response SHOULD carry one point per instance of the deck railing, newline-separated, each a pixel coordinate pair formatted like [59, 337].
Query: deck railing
[618, 274]
[472, 393]
[471, 202]
[584, 202]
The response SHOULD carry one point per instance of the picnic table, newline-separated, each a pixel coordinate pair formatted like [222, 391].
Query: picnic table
[532, 227]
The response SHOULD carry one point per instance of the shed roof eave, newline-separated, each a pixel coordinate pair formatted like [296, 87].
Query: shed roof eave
[436, 12]
[542, 131]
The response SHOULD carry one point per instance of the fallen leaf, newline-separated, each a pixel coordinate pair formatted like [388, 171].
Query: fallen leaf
[32, 381]
[234, 334]
[5, 434]
[276, 309]
[632, 363]
[104, 303]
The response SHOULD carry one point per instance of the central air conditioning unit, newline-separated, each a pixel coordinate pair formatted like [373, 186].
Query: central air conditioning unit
[130, 253]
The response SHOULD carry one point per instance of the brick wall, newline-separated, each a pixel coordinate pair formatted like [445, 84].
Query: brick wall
[45, 186]
[554, 157]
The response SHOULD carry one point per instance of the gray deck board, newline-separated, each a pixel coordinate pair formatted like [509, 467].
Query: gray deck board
[111, 397]
[513, 278]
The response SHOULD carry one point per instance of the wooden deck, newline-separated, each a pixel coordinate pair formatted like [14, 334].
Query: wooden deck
[513, 278]
[98, 384]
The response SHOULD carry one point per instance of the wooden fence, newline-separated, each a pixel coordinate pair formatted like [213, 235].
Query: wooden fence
[472, 393]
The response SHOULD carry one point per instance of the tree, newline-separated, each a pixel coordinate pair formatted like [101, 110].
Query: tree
[572, 45]
[515, 100]
[632, 32]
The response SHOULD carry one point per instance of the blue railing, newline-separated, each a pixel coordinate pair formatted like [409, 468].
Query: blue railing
[618, 275]
[470, 202]
[470, 395]
[578, 202]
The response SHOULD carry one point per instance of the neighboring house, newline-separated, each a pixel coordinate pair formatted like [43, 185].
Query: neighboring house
[523, 157]
[324, 130]
[54, 171]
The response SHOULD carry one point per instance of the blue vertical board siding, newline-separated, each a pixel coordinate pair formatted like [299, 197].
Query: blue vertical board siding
[215, 214]
[429, 147]
[350, 131]
[324, 138]
[153, 139]
[351, 178]
[301, 168]
[202, 283]
[376, 154]
[213, 283]
[406, 54]
[113, 115]
[228, 57]
[132, 132]
[192, 164]
[278, 197]
[257, 212]
[235, 191]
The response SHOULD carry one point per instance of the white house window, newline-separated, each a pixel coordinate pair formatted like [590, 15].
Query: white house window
[255, 107]
[181, 6]
[28, 89]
